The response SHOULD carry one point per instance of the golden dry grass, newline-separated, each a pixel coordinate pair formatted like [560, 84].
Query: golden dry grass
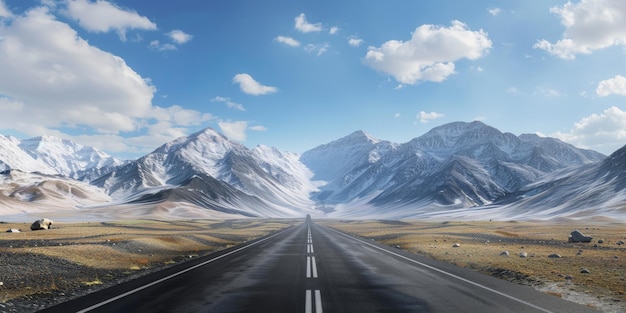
[122, 246]
[481, 244]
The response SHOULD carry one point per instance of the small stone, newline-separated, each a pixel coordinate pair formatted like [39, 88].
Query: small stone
[456, 245]
[584, 271]
[523, 255]
[600, 240]
[621, 242]
[569, 277]
[505, 253]
[554, 256]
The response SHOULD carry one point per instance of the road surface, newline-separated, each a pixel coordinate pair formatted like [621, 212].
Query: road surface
[313, 269]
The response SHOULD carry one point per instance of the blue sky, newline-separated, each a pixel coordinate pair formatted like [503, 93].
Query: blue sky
[128, 76]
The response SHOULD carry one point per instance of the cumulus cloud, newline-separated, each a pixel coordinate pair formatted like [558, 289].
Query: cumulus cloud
[160, 46]
[615, 85]
[52, 80]
[589, 25]
[333, 30]
[179, 37]
[234, 130]
[288, 41]
[4, 11]
[430, 54]
[306, 27]
[605, 132]
[494, 11]
[250, 86]
[62, 80]
[354, 41]
[317, 49]
[103, 16]
[231, 104]
[425, 117]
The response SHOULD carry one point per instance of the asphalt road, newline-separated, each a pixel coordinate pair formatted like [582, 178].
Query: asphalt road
[310, 268]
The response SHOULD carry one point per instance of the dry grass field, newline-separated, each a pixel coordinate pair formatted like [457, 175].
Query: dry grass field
[39, 268]
[481, 247]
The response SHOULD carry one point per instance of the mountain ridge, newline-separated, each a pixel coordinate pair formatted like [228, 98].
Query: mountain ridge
[456, 167]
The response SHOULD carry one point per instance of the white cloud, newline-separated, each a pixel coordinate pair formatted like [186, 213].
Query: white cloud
[250, 86]
[494, 11]
[429, 54]
[425, 117]
[61, 80]
[52, 80]
[615, 85]
[4, 11]
[288, 41]
[605, 132]
[306, 27]
[333, 30]
[318, 49]
[258, 128]
[104, 16]
[589, 25]
[234, 130]
[231, 104]
[159, 46]
[354, 41]
[179, 37]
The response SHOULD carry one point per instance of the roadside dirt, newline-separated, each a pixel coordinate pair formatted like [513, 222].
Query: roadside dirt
[538, 254]
[41, 268]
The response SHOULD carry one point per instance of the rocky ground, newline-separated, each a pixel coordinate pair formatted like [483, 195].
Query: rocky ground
[536, 254]
[41, 268]
[45, 267]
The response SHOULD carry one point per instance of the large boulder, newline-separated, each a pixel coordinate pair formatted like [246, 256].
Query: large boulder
[41, 224]
[577, 236]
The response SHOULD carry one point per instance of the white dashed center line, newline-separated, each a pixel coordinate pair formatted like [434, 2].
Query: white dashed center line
[308, 306]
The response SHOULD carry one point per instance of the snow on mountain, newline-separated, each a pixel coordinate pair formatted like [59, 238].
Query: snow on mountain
[593, 189]
[456, 165]
[22, 192]
[68, 158]
[272, 182]
[458, 170]
[12, 157]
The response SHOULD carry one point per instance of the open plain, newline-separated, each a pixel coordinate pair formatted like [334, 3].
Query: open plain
[41, 268]
[537, 254]
[44, 267]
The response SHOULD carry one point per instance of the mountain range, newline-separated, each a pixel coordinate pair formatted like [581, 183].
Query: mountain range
[457, 170]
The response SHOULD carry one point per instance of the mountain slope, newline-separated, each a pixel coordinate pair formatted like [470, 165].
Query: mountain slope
[267, 185]
[456, 165]
[12, 157]
[68, 158]
[594, 189]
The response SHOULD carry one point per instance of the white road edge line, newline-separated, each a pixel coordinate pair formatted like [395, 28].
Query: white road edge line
[446, 273]
[97, 305]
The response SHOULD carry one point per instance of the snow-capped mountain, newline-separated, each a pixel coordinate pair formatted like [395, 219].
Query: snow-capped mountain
[457, 170]
[12, 157]
[456, 165]
[261, 182]
[593, 189]
[68, 158]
